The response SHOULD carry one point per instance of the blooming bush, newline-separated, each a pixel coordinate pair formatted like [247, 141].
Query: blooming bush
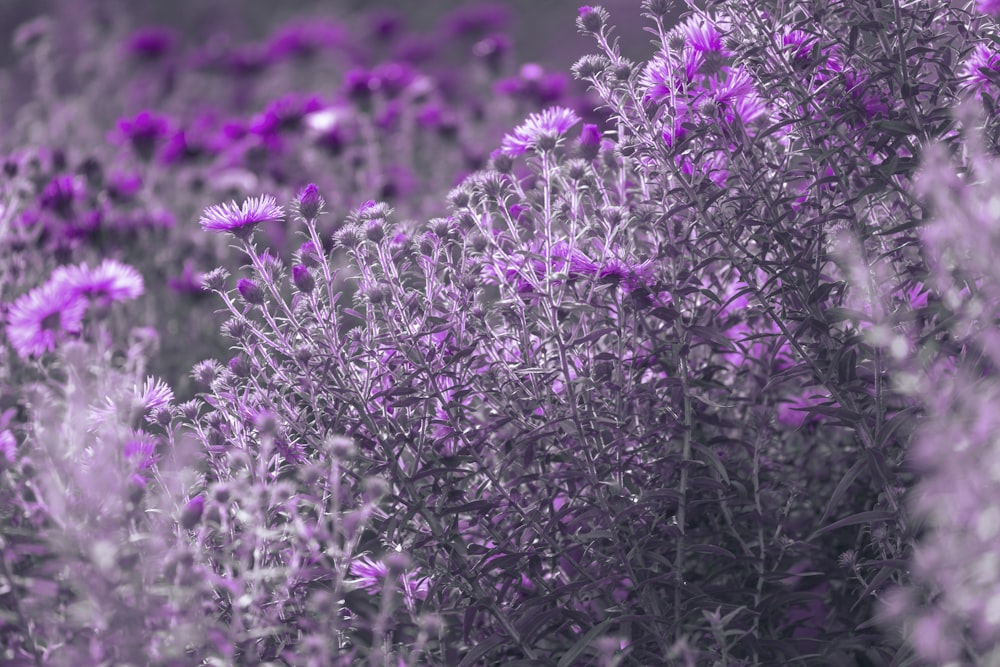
[701, 378]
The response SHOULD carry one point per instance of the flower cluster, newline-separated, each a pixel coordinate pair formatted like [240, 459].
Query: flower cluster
[698, 369]
[40, 319]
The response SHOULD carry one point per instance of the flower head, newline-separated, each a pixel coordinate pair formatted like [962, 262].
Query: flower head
[111, 281]
[540, 131]
[41, 318]
[140, 448]
[241, 221]
[982, 58]
[370, 576]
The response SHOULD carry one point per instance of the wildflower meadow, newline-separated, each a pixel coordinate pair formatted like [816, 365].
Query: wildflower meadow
[350, 335]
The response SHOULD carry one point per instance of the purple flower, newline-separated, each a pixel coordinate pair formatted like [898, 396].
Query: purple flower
[140, 448]
[540, 131]
[799, 44]
[982, 58]
[41, 318]
[250, 291]
[663, 81]
[370, 576]
[241, 221]
[60, 193]
[310, 202]
[111, 281]
[150, 43]
[155, 394]
[8, 445]
[738, 96]
[145, 131]
[590, 141]
[702, 37]
[192, 512]
[988, 6]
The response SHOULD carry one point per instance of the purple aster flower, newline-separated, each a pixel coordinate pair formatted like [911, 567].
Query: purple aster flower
[737, 95]
[703, 38]
[150, 43]
[370, 576]
[145, 131]
[541, 131]
[41, 318]
[590, 141]
[988, 6]
[60, 193]
[310, 202]
[192, 512]
[799, 44]
[982, 58]
[140, 448]
[111, 281]
[155, 394]
[241, 221]
[663, 81]
[303, 39]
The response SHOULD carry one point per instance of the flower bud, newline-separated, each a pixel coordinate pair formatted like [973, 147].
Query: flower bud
[205, 372]
[375, 230]
[349, 236]
[250, 291]
[590, 141]
[309, 255]
[192, 512]
[591, 19]
[215, 280]
[310, 202]
[303, 280]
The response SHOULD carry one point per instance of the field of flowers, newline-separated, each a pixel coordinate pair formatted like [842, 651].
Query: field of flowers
[361, 338]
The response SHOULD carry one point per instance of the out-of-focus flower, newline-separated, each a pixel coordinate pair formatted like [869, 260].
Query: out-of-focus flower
[541, 131]
[241, 221]
[988, 6]
[145, 131]
[140, 449]
[192, 512]
[41, 318]
[8, 445]
[61, 193]
[150, 43]
[111, 281]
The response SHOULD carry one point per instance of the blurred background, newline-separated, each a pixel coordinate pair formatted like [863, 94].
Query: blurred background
[542, 29]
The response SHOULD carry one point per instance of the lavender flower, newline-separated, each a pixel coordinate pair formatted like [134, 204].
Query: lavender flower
[541, 131]
[241, 221]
